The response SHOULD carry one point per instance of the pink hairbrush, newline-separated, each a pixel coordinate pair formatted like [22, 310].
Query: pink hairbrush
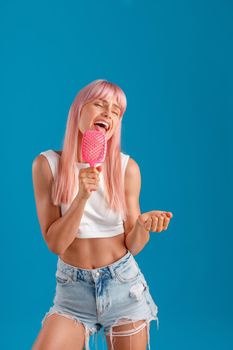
[93, 147]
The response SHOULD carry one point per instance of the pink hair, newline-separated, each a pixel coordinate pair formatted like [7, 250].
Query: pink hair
[66, 182]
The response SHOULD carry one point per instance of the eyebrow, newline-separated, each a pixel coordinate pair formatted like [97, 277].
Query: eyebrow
[100, 99]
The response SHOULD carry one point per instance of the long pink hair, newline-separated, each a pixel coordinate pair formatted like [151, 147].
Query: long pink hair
[66, 180]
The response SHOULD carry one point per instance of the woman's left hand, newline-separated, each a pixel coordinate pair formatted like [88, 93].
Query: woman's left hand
[155, 220]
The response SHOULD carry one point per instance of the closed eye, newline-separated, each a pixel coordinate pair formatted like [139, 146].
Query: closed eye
[97, 104]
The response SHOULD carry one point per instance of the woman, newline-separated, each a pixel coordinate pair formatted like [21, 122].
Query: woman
[90, 217]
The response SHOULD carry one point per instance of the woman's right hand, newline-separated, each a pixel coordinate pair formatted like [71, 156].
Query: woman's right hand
[88, 181]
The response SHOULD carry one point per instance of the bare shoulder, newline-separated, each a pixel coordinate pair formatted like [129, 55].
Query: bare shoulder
[132, 176]
[42, 178]
[40, 167]
[132, 168]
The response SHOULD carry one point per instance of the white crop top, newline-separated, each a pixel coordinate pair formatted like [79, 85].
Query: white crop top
[98, 219]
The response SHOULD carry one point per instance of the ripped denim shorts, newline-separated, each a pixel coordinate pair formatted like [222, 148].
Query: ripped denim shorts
[107, 296]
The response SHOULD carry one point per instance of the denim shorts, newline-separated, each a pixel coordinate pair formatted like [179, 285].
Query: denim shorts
[107, 296]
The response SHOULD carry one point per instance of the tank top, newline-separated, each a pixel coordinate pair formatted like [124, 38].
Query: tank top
[98, 220]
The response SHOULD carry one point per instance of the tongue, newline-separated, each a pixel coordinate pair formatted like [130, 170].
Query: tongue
[100, 128]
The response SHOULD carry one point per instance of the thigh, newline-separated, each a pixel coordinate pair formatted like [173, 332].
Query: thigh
[132, 335]
[59, 333]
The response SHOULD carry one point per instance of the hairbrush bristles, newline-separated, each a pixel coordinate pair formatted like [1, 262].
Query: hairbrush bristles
[94, 147]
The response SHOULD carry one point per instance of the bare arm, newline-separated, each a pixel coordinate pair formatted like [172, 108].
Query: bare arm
[137, 225]
[136, 237]
[60, 231]
[63, 231]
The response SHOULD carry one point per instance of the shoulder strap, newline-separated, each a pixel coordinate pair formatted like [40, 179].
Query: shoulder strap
[53, 159]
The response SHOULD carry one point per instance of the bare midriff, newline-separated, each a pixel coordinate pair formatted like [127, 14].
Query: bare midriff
[92, 253]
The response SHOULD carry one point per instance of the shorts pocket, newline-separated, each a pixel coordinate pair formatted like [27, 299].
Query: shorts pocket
[62, 277]
[128, 273]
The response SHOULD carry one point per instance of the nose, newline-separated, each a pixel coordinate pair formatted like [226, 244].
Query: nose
[107, 113]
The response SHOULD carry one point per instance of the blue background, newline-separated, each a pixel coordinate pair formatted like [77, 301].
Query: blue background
[174, 60]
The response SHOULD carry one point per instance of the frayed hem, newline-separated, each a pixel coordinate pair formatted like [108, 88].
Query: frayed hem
[88, 331]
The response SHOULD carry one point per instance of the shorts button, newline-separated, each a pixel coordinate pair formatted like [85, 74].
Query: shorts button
[97, 274]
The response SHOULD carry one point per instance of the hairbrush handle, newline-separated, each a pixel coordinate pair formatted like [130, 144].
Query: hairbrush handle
[92, 163]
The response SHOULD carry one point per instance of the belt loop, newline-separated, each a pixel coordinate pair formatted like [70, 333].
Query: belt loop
[111, 271]
[74, 275]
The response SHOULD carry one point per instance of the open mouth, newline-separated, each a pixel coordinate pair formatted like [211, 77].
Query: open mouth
[101, 126]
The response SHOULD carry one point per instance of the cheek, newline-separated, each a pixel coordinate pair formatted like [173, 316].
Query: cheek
[85, 120]
[114, 128]
[80, 125]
